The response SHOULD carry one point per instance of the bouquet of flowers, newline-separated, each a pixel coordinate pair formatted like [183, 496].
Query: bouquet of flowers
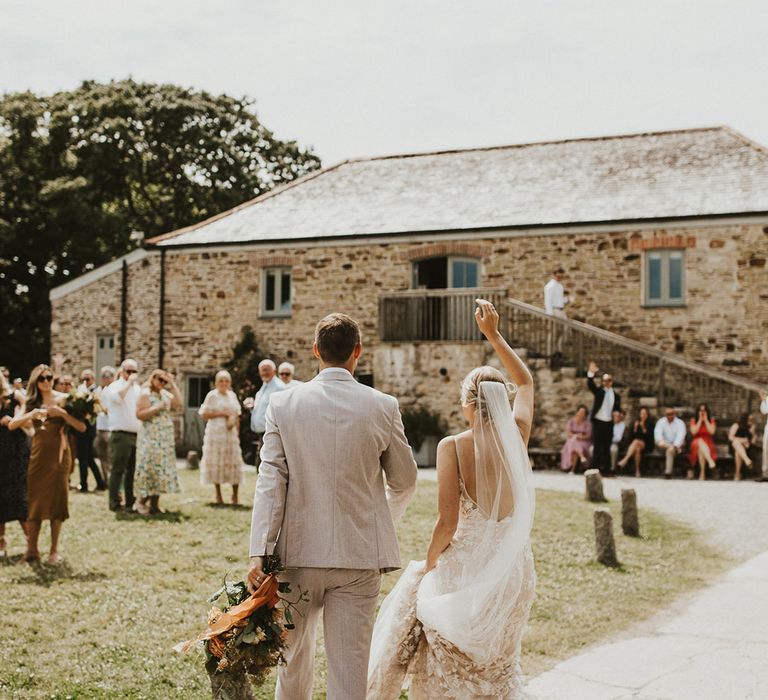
[83, 405]
[246, 633]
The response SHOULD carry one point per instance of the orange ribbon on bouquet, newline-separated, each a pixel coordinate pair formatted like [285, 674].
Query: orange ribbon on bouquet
[266, 594]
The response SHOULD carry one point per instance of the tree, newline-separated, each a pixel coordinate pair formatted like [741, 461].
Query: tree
[81, 170]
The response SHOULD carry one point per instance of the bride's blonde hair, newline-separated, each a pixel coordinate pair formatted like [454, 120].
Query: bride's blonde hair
[470, 387]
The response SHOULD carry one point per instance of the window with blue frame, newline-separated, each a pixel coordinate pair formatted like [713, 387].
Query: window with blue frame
[463, 273]
[665, 278]
[446, 273]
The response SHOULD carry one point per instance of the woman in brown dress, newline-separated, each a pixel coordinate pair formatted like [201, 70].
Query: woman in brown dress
[50, 459]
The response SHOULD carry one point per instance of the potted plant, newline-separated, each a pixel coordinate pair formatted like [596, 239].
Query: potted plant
[423, 428]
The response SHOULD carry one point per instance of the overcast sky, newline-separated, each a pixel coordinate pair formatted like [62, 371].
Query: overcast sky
[358, 77]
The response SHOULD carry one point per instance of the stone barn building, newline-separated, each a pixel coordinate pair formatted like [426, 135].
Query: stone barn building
[663, 236]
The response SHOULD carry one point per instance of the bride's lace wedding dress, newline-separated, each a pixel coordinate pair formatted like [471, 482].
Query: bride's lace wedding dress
[455, 632]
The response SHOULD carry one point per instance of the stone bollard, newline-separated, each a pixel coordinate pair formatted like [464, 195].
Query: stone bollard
[630, 524]
[193, 460]
[594, 484]
[604, 542]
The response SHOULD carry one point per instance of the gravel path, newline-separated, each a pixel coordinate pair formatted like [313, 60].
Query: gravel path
[732, 515]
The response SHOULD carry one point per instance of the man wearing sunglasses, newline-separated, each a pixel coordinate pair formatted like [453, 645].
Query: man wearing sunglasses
[120, 398]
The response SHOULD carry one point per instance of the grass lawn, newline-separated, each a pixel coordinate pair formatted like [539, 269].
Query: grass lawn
[102, 624]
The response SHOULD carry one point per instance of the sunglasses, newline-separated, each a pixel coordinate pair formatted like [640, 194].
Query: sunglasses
[131, 371]
[162, 380]
[45, 378]
[285, 374]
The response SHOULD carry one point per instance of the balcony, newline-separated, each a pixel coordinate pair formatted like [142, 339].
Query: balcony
[423, 315]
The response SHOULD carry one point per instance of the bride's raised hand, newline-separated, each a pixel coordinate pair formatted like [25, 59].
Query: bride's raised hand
[487, 318]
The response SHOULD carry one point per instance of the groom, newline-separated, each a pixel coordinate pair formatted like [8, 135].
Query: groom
[336, 471]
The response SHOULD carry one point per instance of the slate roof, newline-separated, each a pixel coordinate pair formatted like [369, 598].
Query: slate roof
[665, 175]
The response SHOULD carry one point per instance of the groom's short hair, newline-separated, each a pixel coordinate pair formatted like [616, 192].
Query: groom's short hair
[336, 336]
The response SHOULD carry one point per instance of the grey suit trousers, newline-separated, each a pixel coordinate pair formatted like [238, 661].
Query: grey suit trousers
[347, 599]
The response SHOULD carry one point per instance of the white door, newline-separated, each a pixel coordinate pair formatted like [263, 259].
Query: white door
[105, 351]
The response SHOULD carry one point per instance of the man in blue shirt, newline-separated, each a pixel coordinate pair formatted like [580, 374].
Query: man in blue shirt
[270, 384]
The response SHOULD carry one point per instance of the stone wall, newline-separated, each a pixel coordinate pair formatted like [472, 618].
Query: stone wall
[439, 368]
[211, 295]
[96, 308]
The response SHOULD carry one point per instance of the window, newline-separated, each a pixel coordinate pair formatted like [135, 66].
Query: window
[462, 272]
[446, 273]
[664, 278]
[276, 291]
[198, 387]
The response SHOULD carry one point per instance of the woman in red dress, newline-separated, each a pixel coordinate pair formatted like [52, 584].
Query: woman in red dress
[703, 449]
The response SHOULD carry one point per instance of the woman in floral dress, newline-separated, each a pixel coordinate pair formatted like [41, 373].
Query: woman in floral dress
[155, 445]
[222, 461]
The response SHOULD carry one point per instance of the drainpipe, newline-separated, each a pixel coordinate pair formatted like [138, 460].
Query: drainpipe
[123, 311]
[161, 339]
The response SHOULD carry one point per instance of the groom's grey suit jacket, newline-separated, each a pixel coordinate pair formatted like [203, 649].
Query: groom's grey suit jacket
[321, 498]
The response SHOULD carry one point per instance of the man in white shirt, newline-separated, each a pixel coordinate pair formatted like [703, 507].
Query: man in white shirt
[554, 304]
[764, 411]
[101, 443]
[554, 294]
[285, 372]
[669, 436]
[606, 402]
[120, 398]
[270, 383]
[618, 436]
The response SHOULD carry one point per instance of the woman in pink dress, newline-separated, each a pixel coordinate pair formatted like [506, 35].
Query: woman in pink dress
[576, 448]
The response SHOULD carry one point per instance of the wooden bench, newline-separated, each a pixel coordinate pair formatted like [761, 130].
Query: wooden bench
[544, 458]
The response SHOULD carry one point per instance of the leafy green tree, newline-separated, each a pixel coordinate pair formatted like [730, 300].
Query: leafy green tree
[81, 170]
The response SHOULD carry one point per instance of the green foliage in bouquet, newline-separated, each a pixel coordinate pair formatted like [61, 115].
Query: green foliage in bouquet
[83, 405]
[246, 634]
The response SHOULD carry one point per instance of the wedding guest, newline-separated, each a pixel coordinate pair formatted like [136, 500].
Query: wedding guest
[742, 436]
[50, 459]
[101, 443]
[270, 383]
[14, 454]
[222, 460]
[554, 294]
[575, 452]
[606, 402]
[84, 441]
[120, 401]
[764, 411]
[640, 440]
[669, 436]
[63, 383]
[155, 443]
[618, 435]
[285, 372]
[703, 450]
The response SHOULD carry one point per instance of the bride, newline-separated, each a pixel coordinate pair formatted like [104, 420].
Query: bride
[451, 627]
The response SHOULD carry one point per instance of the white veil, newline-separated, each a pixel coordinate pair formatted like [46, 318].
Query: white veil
[474, 613]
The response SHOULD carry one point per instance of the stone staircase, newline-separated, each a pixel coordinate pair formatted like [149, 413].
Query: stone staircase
[559, 351]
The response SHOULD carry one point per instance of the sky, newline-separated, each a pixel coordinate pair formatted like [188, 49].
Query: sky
[354, 78]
